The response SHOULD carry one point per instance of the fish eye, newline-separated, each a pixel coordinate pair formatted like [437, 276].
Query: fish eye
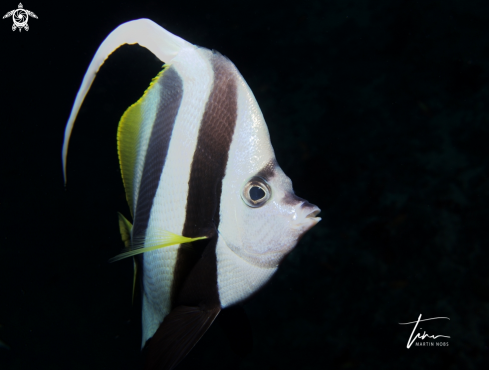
[256, 192]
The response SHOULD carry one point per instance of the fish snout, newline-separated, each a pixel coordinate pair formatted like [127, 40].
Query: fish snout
[306, 215]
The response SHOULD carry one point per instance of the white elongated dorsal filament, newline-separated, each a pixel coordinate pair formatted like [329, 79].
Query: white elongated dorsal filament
[163, 44]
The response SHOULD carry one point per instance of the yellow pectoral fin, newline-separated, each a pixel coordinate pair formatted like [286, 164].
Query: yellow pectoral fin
[125, 228]
[163, 239]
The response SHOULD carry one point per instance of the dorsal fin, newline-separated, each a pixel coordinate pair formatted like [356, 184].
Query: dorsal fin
[144, 32]
[128, 134]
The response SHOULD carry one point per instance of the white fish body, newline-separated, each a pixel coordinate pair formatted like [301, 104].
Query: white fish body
[197, 162]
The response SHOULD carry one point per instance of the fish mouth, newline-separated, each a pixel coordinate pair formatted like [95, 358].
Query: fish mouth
[313, 209]
[314, 213]
[310, 220]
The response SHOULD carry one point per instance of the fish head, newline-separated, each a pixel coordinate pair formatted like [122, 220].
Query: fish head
[261, 219]
[269, 219]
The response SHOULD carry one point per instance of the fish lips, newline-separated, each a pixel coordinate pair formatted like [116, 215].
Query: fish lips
[307, 218]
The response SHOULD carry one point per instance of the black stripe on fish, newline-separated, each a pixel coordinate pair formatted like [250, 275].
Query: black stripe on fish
[268, 171]
[195, 296]
[169, 103]
[292, 199]
[208, 167]
[189, 323]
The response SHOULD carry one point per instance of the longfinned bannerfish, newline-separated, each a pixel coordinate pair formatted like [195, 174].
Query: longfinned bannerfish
[213, 213]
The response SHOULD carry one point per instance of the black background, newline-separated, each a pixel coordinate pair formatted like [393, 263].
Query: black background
[377, 110]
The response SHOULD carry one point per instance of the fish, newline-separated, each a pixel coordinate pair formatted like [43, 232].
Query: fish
[213, 214]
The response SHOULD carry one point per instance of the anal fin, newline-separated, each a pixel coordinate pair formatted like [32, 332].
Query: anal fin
[177, 335]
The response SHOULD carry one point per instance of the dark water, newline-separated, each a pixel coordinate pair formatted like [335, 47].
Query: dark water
[377, 110]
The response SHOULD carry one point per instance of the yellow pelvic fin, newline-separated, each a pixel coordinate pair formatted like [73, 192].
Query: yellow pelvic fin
[163, 239]
[128, 139]
[125, 228]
